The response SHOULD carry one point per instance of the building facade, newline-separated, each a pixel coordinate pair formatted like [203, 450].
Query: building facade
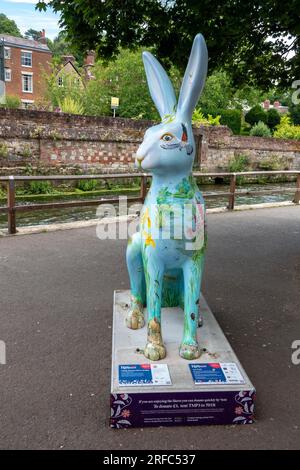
[23, 64]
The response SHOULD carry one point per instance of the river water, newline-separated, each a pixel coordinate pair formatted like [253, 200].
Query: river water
[51, 216]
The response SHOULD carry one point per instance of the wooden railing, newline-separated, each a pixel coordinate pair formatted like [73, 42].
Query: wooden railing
[11, 208]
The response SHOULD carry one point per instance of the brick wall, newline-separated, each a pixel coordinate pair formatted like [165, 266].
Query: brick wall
[40, 65]
[60, 143]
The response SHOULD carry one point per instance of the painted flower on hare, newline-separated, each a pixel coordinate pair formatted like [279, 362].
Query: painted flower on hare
[149, 240]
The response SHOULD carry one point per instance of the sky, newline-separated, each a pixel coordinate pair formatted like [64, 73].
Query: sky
[24, 14]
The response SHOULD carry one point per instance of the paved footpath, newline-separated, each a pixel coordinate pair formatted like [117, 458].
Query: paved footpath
[56, 313]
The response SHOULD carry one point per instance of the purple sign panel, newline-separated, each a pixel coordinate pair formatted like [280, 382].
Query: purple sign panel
[182, 408]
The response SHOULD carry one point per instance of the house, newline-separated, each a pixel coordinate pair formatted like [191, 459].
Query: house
[70, 70]
[276, 105]
[22, 62]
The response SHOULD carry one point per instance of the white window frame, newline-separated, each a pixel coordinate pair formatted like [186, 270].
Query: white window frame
[7, 74]
[26, 102]
[26, 52]
[7, 52]
[30, 74]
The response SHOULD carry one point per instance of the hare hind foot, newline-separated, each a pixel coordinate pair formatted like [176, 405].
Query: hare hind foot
[155, 352]
[135, 317]
[189, 351]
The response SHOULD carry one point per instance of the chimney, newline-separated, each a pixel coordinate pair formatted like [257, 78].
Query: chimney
[89, 62]
[266, 104]
[89, 59]
[68, 58]
[42, 38]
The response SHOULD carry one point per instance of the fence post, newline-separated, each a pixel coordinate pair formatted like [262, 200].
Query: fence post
[143, 188]
[296, 199]
[231, 200]
[11, 215]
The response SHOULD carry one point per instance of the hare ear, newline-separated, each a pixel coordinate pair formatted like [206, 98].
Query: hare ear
[194, 78]
[160, 86]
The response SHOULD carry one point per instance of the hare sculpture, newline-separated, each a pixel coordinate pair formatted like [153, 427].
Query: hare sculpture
[165, 258]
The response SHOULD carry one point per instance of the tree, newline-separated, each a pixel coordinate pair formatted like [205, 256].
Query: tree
[124, 78]
[60, 46]
[255, 115]
[32, 34]
[254, 39]
[217, 93]
[8, 26]
[273, 118]
[295, 113]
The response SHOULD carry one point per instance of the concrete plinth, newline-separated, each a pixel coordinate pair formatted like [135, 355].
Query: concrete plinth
[183, 402]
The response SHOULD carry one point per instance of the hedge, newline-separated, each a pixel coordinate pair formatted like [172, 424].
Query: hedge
[231, 118]
[255, 115]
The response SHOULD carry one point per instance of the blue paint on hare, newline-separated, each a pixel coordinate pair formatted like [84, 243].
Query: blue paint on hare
[165, 258]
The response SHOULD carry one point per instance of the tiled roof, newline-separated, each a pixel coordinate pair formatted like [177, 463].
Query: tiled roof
[22, 42]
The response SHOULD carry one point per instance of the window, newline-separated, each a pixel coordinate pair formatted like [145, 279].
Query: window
[7, 75]
[27, 104]
[26, 58]
[60, 81]
[27, 83]
[6, 52]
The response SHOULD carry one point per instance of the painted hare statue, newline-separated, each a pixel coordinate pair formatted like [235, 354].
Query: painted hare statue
[165, 258]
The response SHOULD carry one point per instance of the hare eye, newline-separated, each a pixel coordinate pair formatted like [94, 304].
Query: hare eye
[167, 137]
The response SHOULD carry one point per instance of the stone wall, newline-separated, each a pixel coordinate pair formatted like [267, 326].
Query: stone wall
[218, 146]
[61, 143]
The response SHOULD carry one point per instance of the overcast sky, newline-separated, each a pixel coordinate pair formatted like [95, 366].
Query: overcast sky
[24, 14]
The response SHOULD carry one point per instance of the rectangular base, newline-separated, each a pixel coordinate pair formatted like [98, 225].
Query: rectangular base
[183, 402]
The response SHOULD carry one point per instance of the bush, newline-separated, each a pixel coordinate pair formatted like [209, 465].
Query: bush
[271, 163]
[199, 119]
[40, 187]
[239, 163]
[273, 118]
[70, 106]
[295, 114]
[87, 185]
[260, 130]
[12, 102]
[2, 193]
[232, 118]
[3, 150]
[255, 115]
[286, 130]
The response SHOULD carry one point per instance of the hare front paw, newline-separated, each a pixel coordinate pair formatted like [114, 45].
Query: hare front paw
[135, 317]
[155, 352]
[189, 351]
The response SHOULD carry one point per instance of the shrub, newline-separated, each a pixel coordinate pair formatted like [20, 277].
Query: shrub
[273, 118]
[3, 150]
[232, 118]
[87, 185]
[70, 106]
[271, 163]
[260, 130]
[239, 163]
[295, 114]
[286, 130]
[40, 187]
[12, 102]
[2, 193]
[26, 152]
[255, 115]
[199, 119]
